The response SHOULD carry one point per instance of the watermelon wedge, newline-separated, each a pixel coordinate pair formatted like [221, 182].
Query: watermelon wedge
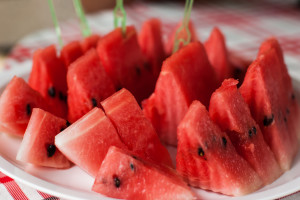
[229, 110]
[268, 92]
[185, 76]
[16, 104]
[123, 175]
[134, 129]
[90, 42]
[70, 53]
[207, 159]
[87, 141]
[150, 41]
[88, 84]
[48, 76]
[37, 146]
[124, 62]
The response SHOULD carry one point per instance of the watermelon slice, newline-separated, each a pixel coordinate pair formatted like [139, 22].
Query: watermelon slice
[48, 76]
[88, 85]
[185, 76]
[70, 53]
[207, 159]
[123, 60]
[229, 110]
[268, 92]
[218, 56]
[171, 39]
[87, 141]
[134, 129]
[150, 41]
[16, 104]
[90, 42]
[123, 175]
[37, 146]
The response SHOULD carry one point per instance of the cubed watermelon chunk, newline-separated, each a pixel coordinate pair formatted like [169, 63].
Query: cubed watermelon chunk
[48, 76]
[124, 62]
[150, 41]
[16, 104]
[87, 141]
[88, 84]
[70, 53]
[185, 76]
[123, 175]
[90, 42]
[134, 129]
[267, 89]
[229, 110]
[37, 146]
[207, 159]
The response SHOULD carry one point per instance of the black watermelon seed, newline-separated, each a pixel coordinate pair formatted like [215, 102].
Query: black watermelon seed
[138, 71]
[51, 92]
[147, 66]
[94, 102]
[288, 111]
[131, 166]
[200, 151]
[293, 96]
[285, 120]
[254, 130]
[268, 121]
[62, 96]
[51, 150]
[63, 128]
[68, 123]
[250, 133]
[224, 141]
[28, 109]
[117, 181]
[134, 157]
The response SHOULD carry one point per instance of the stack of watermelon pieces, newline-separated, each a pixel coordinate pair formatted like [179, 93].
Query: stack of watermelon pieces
[109, 104]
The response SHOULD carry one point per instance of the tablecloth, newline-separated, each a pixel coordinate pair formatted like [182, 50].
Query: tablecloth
[245, 25]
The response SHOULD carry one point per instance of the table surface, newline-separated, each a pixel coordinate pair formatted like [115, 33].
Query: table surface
[244, 24]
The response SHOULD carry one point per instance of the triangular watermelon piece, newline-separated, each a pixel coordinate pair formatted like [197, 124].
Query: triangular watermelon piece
[16, 104]
[185, 76]
[138, 179]
[70, 53]
[37, 146]
[88, 84]
[123, 60]
[90, 42]
[182, 34]
[150, 41]
[48, 76]
[87, 141]
[268, 93]
[207, 159]
[229, 110]
[218, 56]
[134, 129]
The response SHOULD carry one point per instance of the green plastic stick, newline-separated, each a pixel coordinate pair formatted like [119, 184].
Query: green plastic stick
[55, 21]
[85, 29]
[120, 16]
[184, 26]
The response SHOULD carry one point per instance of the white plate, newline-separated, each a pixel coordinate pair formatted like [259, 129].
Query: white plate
[74, 183]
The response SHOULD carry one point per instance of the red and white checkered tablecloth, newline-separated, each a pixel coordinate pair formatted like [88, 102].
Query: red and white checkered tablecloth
[245, 25]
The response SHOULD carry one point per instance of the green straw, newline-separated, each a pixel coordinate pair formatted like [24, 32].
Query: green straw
[184, 26]
[85, 29]
[55, 21]
[120, 16]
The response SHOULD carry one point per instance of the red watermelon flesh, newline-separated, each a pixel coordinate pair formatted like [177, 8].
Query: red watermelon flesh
[123, 175]
[37, 146]
[185, 76]
[16, 104]
[48, 76]
[150, 41]
[90, 42]
[123, 60]
[207, 159]
[181, 34]
[88, 84]
[70, 53]
[134, 129]
[265, 91]
[87, 141]
[218, 56]
[229, 110]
